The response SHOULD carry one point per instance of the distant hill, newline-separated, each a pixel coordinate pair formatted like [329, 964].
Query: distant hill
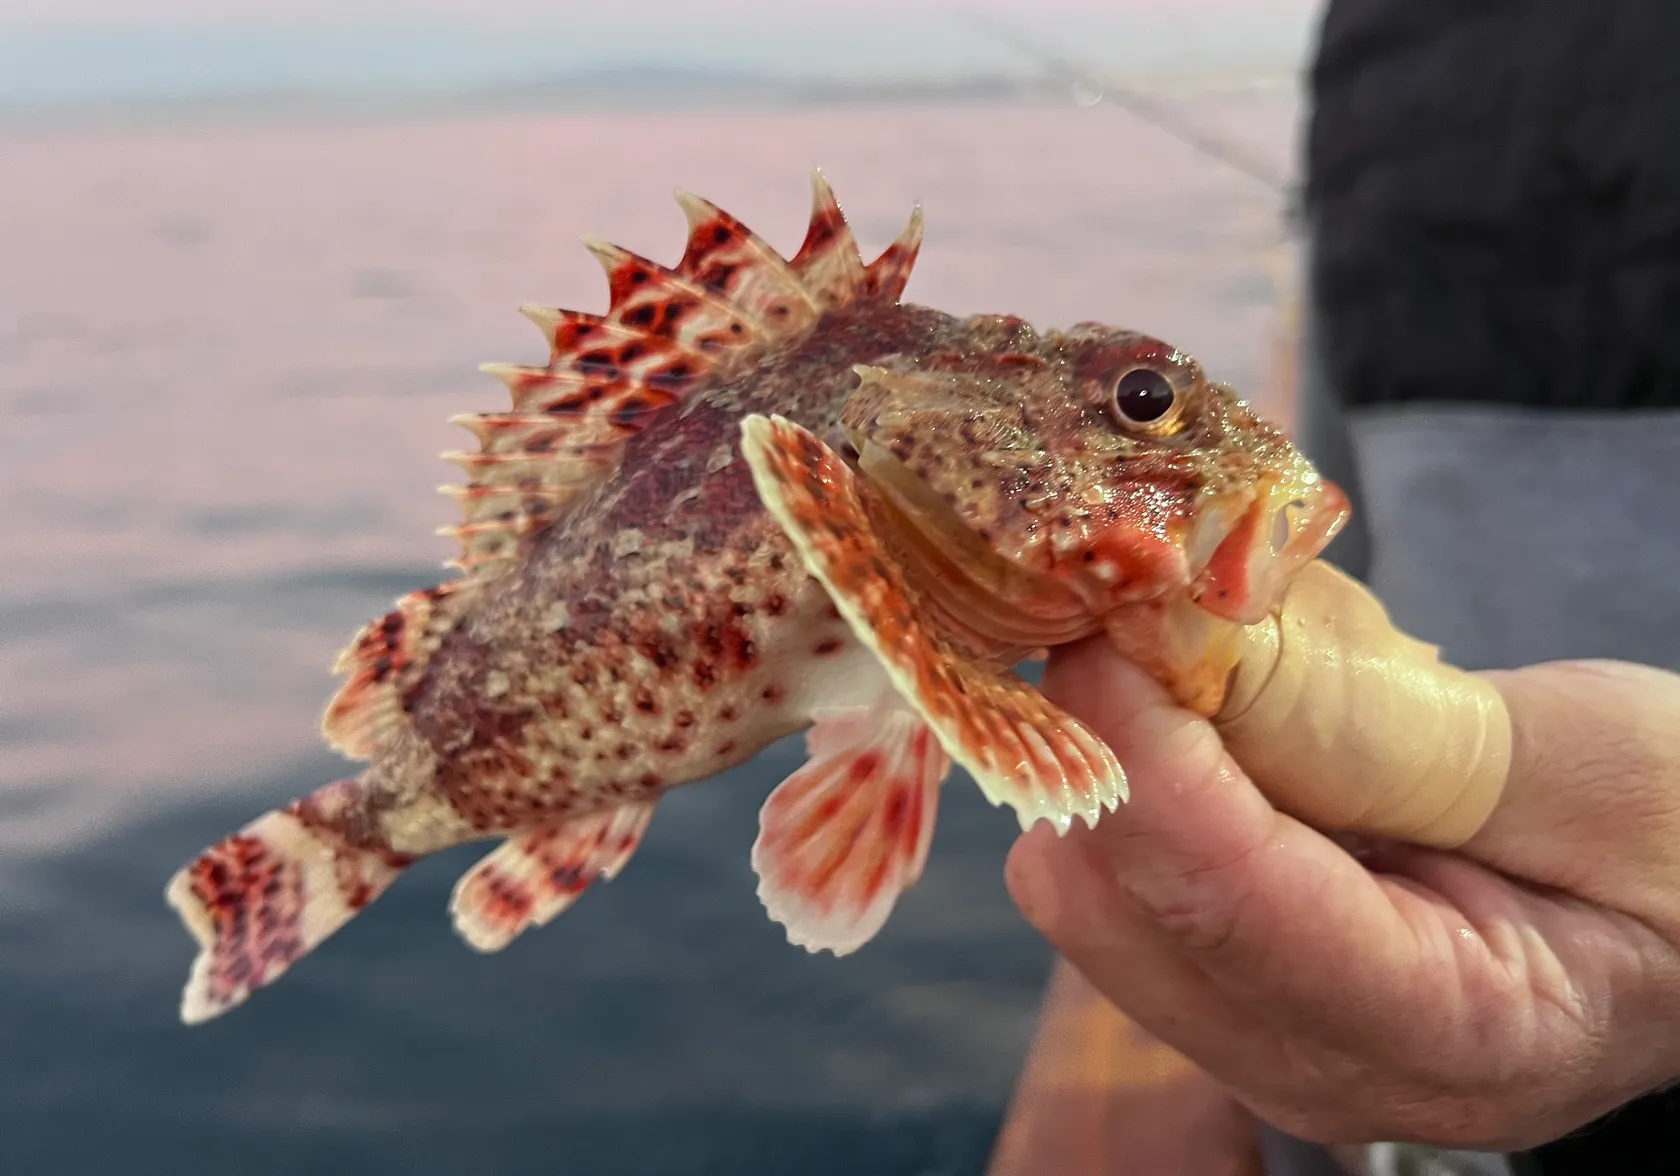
[639, 86]
[607, 88]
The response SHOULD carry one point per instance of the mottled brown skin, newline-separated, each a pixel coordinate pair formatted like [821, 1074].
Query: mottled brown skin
[688, 619]
[689, 623]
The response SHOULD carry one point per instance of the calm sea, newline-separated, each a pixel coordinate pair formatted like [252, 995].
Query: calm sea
[227, 352]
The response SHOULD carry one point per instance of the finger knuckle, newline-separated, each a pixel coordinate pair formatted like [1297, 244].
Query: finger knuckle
[1197, 906]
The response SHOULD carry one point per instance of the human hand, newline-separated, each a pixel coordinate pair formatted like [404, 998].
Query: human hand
[1494, 996]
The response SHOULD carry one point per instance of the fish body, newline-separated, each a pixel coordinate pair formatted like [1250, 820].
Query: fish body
[761, 495]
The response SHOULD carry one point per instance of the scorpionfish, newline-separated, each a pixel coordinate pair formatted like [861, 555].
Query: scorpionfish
[761, 495]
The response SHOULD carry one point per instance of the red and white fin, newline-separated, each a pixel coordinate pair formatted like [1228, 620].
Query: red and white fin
[829, 261]
[262, 899]
[732, 261]
[846, 834]
[666, 330]
[888, 274]
[384, 661]
[1021, 749]
[533, 876]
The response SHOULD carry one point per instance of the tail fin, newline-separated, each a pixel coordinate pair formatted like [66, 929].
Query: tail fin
[262, 899]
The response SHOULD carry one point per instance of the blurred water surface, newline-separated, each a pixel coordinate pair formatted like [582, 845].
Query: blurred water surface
[227, 353]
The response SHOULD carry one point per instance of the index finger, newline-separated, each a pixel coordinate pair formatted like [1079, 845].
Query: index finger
[1263, 904]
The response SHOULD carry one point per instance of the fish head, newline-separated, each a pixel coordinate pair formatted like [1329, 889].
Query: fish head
[1076, 473]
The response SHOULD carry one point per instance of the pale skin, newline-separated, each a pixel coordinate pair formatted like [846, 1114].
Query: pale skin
[1351, 989]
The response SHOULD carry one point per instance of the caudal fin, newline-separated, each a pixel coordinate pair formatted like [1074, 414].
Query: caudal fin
[262, 899]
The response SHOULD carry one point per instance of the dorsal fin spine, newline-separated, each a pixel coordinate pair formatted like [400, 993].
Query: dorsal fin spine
[726, 256]
[629, 275]
[889, 273]
[828, 259]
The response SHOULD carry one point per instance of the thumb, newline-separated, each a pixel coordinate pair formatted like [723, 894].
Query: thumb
[1214, 871]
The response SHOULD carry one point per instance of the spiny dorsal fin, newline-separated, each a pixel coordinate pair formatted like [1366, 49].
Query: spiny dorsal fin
[731, 259]
[665, 332]
[888, 274]
[828, 260]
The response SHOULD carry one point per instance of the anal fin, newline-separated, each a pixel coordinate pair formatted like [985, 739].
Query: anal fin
[535, 875]
[1021, 749]
[841, 838]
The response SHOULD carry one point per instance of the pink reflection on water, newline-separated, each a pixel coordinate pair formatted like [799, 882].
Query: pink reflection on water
[227, 354]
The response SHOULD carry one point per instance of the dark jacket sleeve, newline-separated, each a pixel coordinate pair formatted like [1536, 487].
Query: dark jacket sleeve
[1494, 192]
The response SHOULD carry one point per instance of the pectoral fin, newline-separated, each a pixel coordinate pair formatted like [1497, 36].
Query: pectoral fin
[1021, 749]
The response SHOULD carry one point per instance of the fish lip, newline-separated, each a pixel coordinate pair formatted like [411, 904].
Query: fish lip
[1220, 513]
[1249, 570]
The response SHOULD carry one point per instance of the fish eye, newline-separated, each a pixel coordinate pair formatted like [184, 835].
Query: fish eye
[1145, 399]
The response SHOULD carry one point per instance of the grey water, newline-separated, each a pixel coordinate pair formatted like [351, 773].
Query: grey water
[227, 354]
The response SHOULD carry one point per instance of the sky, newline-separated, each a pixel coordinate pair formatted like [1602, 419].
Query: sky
[91, 51]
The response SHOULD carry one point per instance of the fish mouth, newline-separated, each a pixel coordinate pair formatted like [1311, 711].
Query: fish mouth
[1246, 548]
[981, 599]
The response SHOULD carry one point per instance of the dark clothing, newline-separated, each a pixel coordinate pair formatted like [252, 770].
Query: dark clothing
[1493, 200]
[1494, 193]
